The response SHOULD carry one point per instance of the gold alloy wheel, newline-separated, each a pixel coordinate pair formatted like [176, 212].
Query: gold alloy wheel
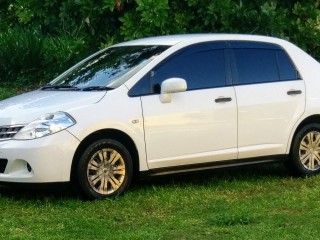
[309, 151]
[106, 171]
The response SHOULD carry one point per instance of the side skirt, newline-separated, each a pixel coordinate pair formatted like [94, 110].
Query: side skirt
[213, 165]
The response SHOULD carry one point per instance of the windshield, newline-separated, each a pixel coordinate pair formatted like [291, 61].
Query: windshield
[107, 70]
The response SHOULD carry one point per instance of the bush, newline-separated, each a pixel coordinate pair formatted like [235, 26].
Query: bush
[68, 30]
[21, 53]
[61, 52]
[296, 21]
[27, 57]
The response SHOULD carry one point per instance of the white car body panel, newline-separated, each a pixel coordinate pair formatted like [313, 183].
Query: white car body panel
[27, 107]
[266, 115]
[188, 126]
[125, 116]
[38, 153]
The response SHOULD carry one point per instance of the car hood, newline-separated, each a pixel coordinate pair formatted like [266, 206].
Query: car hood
[27, 107]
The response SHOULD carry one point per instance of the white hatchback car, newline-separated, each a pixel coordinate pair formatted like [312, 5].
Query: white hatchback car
[164, 105]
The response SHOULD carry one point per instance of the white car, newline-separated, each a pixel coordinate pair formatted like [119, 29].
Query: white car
[163, 105]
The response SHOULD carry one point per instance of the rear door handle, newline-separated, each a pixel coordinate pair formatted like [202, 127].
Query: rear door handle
[223, 99]
[294, 92]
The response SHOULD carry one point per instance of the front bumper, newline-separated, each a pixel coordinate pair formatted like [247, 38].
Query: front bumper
[43, 160]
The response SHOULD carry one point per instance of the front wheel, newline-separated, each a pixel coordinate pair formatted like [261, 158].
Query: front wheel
[305, 152]
[104, 169]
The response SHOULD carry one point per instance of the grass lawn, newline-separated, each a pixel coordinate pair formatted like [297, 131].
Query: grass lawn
[258, 202]
[255, 202]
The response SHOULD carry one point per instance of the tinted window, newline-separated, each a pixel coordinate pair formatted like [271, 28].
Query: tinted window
[203, 69]
[256, 65]
[201, 65]
[143, 87]
[286, 69]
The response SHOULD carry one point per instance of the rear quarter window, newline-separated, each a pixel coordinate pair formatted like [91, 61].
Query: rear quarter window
[287, 70]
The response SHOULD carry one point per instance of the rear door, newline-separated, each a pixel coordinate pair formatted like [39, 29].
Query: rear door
[270, 97]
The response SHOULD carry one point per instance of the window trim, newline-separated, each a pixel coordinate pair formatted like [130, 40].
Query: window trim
[245, 44]
[231, 71]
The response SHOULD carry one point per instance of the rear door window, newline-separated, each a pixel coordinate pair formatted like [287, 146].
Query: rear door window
[256, 65]
[261, 63]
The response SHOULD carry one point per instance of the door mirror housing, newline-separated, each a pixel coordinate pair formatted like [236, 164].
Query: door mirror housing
[171, 85]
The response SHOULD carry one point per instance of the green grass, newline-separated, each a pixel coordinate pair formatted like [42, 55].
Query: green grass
[258, 202]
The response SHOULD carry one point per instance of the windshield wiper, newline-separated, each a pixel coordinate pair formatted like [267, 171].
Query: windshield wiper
[71, 88]
[60, 87]
[96, 88]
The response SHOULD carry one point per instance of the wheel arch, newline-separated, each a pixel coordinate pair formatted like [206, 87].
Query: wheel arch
[112, 134]
[310, 119]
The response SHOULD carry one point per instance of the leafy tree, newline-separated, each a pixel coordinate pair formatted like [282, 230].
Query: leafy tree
[66, 30]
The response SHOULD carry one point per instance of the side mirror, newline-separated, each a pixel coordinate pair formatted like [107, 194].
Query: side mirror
[171, 85]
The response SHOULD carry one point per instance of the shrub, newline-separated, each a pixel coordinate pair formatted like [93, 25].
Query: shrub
[61, 52]
[68, 30]
[21, 53]
[29, 57]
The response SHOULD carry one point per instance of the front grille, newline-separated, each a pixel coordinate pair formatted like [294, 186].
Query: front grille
[3, 164]
[7, 132]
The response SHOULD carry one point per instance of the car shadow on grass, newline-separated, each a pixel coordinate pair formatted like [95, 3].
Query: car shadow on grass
[241, 173]
[38, 191]
[201, 178]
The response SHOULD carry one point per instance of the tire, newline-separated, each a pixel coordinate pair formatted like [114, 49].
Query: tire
[104, 170]
[305, 151]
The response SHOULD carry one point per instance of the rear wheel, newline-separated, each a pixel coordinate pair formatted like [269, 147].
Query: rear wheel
[104, 170]
[305, 152]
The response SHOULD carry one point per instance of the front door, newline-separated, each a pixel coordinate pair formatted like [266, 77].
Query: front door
[199, 125]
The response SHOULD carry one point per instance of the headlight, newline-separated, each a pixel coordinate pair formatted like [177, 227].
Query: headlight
[46, 125]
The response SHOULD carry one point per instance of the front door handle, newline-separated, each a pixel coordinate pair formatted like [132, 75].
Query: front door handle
[223, 99]
[294, 92]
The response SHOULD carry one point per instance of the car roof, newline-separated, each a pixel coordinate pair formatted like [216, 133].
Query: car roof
[170, 40]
